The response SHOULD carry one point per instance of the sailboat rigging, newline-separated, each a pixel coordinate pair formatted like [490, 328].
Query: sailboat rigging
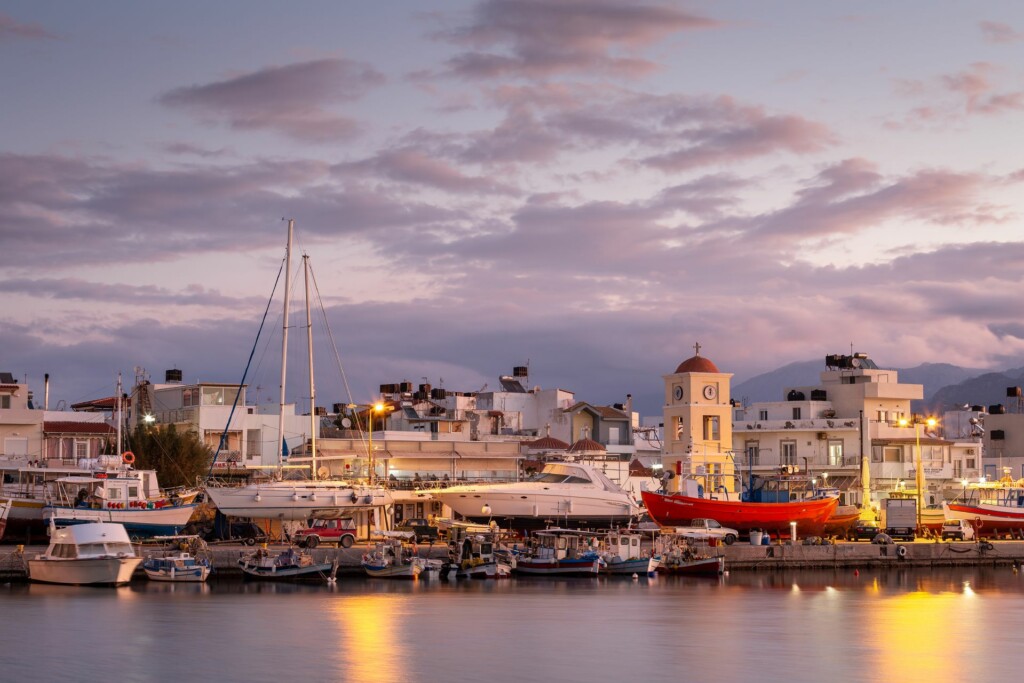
[295, 500]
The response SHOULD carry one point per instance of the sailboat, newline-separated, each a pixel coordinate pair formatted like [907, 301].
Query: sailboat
[294, 500]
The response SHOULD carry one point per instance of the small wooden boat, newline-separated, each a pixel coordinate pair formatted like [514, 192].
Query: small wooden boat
[681, 555]
[622, 553]
[477, 555]
[94, 554]
[392, 559]
[179, 567]
[187, 561]
[559, 552]
[289, 565]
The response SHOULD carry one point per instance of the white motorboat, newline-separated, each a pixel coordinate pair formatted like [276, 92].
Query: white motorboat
[297, 500]
[93, 554]
[573, 494]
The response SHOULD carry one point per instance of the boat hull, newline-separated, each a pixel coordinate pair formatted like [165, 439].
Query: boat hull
[707, 566]
[389, 571]
[107, 571]
[539, 567]
[642, 565]
[312, 572]
[987, 518]
[843, 519]
[296, 502]
[139, 523]
[810, 515]
[176, 569]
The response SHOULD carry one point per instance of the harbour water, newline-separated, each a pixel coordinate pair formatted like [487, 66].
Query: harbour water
[912, 625]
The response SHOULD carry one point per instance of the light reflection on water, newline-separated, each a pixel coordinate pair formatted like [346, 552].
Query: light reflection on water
[807, 626]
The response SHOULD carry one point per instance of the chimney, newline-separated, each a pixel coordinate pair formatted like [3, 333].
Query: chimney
[46, 391]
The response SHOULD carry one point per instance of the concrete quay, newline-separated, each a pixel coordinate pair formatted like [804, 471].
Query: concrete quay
[739, 557]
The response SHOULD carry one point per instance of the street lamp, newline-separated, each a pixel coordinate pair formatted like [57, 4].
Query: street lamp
[919, 471]
[375, 408]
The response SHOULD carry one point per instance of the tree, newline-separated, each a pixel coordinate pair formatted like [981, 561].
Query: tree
[179, 458]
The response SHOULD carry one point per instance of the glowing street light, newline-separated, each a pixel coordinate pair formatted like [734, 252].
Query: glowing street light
[919, 471]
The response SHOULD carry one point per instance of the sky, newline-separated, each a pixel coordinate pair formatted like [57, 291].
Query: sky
[586, 188]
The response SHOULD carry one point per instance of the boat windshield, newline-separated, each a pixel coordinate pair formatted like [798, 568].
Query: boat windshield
[557, 478]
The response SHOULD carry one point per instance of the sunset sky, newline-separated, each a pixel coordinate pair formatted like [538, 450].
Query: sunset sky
[587, 188]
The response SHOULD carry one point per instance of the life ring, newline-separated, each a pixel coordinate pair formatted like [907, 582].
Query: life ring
[901, 551]
[128, 457]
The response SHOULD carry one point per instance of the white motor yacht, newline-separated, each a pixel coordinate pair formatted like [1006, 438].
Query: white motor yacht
[566, 492]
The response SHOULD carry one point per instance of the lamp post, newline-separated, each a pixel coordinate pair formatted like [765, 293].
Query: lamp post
[919, 471]
[375, 408]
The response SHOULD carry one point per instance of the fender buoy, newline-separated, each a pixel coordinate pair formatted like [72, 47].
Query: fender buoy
[902, 551]
[128, 457]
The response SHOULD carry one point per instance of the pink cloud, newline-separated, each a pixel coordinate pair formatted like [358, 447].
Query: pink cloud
[997, 32]
[976, 86]
[545, 37]
[13, 30]
[287, 99]
[413, 166]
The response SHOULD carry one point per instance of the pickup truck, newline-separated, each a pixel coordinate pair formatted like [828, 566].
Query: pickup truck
[705, 529]
[424, 530]
[340, 531]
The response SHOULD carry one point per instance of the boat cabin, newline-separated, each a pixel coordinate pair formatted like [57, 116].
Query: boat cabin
[624, 545]
[561, 544]
[100, 491]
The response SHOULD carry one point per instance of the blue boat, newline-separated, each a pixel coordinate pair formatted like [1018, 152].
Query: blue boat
[180, 567]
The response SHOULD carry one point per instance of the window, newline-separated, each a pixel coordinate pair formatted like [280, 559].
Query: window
[883, 416]
[796, 413]
[788, 451]
[753, 449]
[835, 453]
[613, 435]
[971, 464]
[711, 431]
[892, 454]
[81, 448]
[5, 401]
[680, 428]
[762, 415]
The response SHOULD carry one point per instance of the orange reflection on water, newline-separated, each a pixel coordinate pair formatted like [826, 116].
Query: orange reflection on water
[373, 647]
[909, 638]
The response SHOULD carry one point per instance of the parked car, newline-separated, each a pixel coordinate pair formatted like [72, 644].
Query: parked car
[340, 531]
[424, 530]
[707, 529]
[957, 529]
[864, 530]
[225, 530]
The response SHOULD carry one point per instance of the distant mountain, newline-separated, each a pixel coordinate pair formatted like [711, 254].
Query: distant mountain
[936, 378]
[985, 390]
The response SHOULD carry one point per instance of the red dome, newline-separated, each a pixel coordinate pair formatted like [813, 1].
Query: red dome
[697, 364]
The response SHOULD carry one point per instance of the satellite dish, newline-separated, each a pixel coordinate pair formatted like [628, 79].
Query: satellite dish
[346, 422]
[323, 472]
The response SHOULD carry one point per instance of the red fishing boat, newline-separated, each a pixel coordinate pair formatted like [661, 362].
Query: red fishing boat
[766, 506]
[996, 507]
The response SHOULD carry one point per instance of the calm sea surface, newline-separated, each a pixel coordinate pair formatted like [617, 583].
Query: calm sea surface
[948, 625]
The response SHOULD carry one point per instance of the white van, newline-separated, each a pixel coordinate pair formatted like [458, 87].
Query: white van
[957, 529]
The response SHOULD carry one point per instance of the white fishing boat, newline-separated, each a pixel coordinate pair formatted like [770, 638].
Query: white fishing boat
[623, 552]
[120, 495]
[477, 556]
[312, 497]
[290, 564]
[94, 554]
[393, 558]
[573, 494]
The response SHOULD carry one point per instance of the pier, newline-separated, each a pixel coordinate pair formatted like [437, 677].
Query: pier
[739, 557]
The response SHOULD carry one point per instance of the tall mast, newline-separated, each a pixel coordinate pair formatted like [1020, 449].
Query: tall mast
[284, 340]
[120, 443]
[312, 389]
